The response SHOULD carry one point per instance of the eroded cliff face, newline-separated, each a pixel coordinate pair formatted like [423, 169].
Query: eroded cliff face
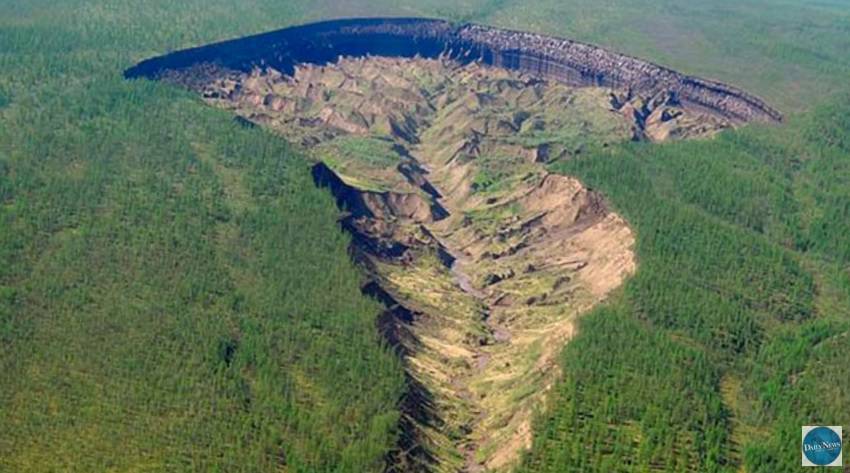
[564, 60]
[483, 259]
[434, 140]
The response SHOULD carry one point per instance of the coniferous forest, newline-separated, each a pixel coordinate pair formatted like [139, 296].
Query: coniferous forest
[177, 295]
[733, 333]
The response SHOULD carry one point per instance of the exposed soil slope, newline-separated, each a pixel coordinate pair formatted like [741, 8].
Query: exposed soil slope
[559, 59]
[483, 258]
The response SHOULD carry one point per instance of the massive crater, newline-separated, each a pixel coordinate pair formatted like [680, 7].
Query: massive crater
[434, 139]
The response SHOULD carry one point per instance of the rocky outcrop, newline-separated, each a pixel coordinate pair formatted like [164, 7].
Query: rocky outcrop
[568, 61]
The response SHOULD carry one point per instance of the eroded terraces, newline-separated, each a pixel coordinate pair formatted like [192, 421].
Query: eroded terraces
[483, 258]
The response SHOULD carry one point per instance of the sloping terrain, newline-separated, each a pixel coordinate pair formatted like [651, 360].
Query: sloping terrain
[142, 234]
[559, 59]
[440, 166]
[482, 257]
[721, 342]
[436, 149]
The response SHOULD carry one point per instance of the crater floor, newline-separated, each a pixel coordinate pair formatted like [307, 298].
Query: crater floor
[483, 258]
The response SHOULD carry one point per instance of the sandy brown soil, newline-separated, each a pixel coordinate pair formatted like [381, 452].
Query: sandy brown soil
[490, 256]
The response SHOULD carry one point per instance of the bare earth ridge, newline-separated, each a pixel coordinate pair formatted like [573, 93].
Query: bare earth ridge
[489, 257]
[483, 259]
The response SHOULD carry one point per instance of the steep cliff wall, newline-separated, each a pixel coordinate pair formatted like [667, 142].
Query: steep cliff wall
[560, 59]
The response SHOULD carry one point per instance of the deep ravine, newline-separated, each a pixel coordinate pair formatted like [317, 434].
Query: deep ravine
[483, 259]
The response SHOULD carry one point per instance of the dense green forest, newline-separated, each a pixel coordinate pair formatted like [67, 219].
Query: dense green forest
[734, 331]
[175, 295]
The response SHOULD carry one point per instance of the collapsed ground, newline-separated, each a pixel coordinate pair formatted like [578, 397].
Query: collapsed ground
[483, 259]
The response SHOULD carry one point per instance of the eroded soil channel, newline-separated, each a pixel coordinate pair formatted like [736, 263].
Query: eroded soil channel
[483, 258]
[489, 257]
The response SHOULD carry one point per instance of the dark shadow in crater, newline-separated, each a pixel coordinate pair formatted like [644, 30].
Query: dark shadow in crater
[564, 60]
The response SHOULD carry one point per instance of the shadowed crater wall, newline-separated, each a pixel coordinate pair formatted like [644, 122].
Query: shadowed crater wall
[564, 60]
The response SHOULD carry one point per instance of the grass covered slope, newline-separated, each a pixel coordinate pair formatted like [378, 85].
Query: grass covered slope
[733, 333]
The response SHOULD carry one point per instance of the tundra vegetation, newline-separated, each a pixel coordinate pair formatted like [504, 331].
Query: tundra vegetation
[176, 295]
